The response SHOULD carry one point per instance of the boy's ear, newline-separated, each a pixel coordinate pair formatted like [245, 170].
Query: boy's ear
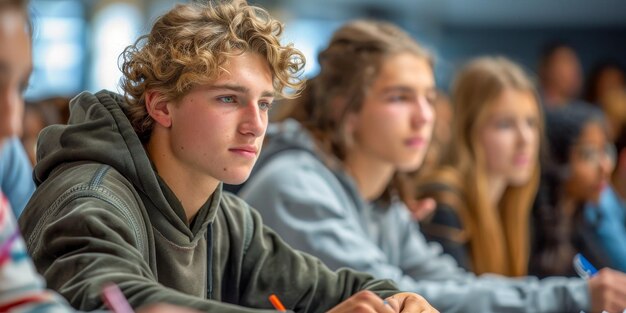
[157, 108]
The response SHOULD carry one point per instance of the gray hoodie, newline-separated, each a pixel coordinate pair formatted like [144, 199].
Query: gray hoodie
[101, 214]
[318, 209]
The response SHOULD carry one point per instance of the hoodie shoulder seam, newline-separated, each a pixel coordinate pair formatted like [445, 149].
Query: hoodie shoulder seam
[92, 190]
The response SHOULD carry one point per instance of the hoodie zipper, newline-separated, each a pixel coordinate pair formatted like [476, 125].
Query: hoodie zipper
[209, 251]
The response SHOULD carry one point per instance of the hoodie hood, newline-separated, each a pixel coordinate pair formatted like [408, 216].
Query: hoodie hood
[99, 131]
[288, 135]
[284, 136]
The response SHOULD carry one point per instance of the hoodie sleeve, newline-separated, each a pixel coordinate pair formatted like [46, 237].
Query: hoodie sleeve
[22, 290]
[300, 199]
[84, 241]
[301, 281]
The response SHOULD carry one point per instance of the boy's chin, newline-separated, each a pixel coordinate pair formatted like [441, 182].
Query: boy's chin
[236, 179]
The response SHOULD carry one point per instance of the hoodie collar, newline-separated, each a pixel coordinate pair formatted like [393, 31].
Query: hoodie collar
[99, 131]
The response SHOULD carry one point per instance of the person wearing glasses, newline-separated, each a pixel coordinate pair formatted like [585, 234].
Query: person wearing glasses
[576, 172]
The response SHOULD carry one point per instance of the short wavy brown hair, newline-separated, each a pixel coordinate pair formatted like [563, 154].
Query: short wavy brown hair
[189, 45]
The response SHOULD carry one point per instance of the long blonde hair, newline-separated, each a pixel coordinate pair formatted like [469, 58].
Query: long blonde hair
[498, 237]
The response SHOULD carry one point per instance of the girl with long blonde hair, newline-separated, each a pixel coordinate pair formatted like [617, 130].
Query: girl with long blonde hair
[487, 182]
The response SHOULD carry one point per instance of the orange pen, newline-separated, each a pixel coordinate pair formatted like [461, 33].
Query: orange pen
[276, 303]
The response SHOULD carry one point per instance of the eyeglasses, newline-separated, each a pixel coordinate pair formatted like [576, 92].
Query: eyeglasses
[594, 155]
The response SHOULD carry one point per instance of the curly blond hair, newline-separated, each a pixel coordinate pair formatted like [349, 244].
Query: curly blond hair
[189, 45]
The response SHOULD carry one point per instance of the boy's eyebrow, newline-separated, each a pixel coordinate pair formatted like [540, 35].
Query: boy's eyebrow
[239, 88]
[402, 88]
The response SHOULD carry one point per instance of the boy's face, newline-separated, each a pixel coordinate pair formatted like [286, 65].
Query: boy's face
[15, 68]
[217, 129]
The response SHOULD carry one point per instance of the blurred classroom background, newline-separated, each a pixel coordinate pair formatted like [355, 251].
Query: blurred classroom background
[77, 42]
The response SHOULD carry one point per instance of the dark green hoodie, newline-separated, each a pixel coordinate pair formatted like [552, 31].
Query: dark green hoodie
[101, 214]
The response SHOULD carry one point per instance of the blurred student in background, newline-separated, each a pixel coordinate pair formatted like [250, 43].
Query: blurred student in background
[331, 179]
[607, 216]
[618, 178]
[21, 288]
[618, 194]
[15, 67]
[16, 173]
[575, 173]
[606, 88]
[489, 177]
[560, 75]
[604, 78]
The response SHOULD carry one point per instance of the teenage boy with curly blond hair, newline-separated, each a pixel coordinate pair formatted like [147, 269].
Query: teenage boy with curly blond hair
[130, 191]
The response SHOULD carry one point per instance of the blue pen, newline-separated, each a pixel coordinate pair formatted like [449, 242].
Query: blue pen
[583, 267]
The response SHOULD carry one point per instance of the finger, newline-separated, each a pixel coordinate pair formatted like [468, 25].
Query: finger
[615, 302]
[422, 208]
[393, 303]
[416, 304]
[614, 283]
[620, 300]
[165, 308]
[367, 301]
[427, 206]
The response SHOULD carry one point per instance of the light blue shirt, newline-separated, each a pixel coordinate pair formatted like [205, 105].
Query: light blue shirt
[609, 220]
[16, 175]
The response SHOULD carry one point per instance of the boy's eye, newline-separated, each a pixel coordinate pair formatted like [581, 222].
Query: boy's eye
[227, 99]
[265, 106]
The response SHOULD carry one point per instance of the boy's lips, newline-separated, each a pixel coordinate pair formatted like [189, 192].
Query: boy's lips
[245, 150]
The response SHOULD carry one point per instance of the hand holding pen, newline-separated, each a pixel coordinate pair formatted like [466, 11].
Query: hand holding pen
[367, 301]
[606, 286]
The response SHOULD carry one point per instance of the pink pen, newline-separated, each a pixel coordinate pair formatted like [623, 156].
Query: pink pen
[115, 300]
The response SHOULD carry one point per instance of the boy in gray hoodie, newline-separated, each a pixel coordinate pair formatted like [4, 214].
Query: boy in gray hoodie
[130, 190]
